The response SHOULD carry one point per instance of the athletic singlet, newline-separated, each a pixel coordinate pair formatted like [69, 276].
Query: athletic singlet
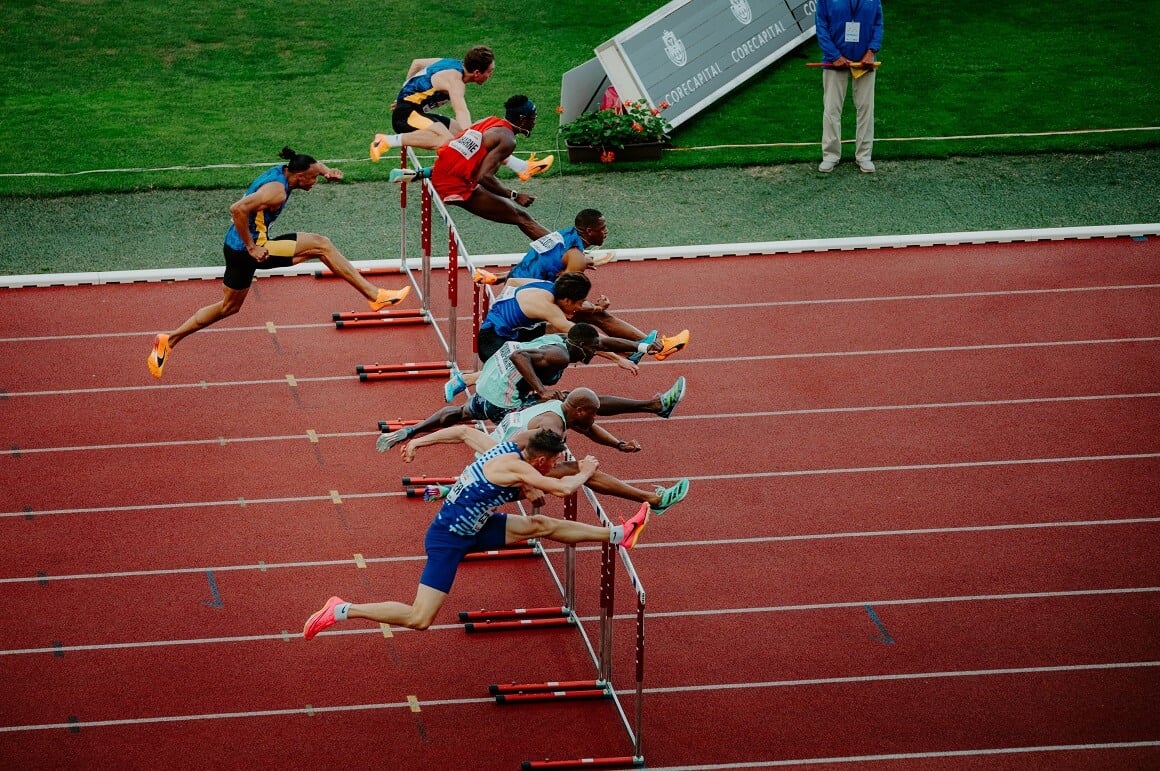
[506, 317]
[515, 422]
[545, 260]
[473, 497]
[418, 89]
[462, 156]
[260, 221]
[499, 381]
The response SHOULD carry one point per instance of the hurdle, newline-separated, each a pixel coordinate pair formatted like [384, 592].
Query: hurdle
[601, 687]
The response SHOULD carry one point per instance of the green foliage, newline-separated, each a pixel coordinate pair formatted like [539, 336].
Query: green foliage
[635, 123]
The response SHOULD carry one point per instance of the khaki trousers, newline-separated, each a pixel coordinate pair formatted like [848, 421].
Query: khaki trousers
[834, 84]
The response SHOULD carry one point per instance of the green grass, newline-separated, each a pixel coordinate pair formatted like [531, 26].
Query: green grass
[134, 83]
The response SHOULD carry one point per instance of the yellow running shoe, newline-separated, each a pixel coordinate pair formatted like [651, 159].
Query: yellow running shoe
[482, 276]
[379, 146]
[536, 166]
[159, 355]
[672, 344]
[387, 297]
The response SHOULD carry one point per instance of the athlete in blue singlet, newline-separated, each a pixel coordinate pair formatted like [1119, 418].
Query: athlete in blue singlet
[467, 522]
[250, 247]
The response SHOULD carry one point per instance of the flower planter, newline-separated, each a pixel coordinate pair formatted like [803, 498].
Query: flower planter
[648, 151]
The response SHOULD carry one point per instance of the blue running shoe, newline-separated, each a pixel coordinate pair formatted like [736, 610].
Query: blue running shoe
[672, 397]
[453, 386]
[648, 340]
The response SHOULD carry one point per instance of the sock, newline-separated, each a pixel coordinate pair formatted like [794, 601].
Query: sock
[515, 164]
[340, 611]
[395, 139]
[617, 535]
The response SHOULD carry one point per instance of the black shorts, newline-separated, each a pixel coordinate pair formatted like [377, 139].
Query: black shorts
[482, 409]
[490, 342]
[240, 266]
[401, 117]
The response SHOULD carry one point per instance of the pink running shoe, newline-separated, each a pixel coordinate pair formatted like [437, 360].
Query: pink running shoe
[322, 618]
[634, 526]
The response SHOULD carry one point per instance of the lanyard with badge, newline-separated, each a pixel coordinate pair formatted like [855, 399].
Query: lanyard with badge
[853, 28]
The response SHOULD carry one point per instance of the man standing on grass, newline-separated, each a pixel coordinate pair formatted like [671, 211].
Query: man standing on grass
[850, 34]
[249, 247]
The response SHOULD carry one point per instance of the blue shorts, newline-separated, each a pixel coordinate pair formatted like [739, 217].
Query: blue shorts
[445, 550]
[482, 409]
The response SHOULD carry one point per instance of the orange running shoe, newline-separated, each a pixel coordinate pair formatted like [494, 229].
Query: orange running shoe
[322, 618]
[387, 297]
[672, 345]
[536, 166]
[482, 276]
[634, 526]
[379, 146]
[159, 355]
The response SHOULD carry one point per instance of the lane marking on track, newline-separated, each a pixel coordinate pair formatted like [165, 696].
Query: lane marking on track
[883, 636]
[708, 360]
[904, 676]
[43, 579]
[651, 691]
[59, 650]
[268, 327]
[976, 752]
[314, 436]
[28, 513]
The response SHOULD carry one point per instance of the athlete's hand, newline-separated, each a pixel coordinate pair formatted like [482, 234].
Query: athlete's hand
[624, 363]
[259, 253]
[524, 199]
[588, 465]
[632, 445]
[408, 452]
[333, 175]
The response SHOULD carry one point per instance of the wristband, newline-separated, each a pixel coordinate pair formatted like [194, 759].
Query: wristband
[642, 347]
[620, 444]
[513, 194]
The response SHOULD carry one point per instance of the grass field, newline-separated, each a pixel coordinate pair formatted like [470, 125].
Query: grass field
[133, 84]
[115, 84]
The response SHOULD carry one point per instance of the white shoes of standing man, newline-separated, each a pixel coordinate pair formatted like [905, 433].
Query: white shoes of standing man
[866, 167]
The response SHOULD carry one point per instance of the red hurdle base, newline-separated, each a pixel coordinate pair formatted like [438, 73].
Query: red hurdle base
[424, 480]
[534, 687]
[498, 554]
[403, 366]
[623, 762]
[564, 695]
[495, 615]
[380, 321]
[387, 426]
[388, 271]
[370, 377]
[401, 313]
[509, 626]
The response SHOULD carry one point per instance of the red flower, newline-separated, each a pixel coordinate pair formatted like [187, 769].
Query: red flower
[637, 127]
[665, 105]
[559, 109]
[607, 156]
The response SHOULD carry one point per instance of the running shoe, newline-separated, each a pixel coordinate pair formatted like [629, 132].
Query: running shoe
[453, 386]
[387, 297]
[672, 344]
[648, 340]
[670, 496]
[322, 618]
[435, 492]
[387, 441]
[633, 527]
[379, 146]
[159, 355]
[402, 176]
[672, 397]
[536, 166]
[481, 276]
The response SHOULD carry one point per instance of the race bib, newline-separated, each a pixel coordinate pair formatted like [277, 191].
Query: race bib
[853, 29]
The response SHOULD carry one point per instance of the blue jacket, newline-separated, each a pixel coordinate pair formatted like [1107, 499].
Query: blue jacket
[830, 17]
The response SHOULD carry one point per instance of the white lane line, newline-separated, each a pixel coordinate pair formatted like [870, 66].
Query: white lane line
[976, 752]
[705, 477]
[685, 689]
[223, 441]
[714, 360]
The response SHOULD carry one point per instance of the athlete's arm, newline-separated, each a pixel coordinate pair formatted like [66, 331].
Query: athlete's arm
[550, 358]
[599, 435]
[500, 144]
[472, 437]
[509, 470]
[538, 304]
[451, 81]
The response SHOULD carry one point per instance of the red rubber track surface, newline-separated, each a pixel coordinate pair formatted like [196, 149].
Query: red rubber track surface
[922, 528]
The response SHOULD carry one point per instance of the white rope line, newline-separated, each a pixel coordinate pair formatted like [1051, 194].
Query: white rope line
[756, 146]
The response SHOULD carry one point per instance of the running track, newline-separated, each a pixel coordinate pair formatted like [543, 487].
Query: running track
[922, 530]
